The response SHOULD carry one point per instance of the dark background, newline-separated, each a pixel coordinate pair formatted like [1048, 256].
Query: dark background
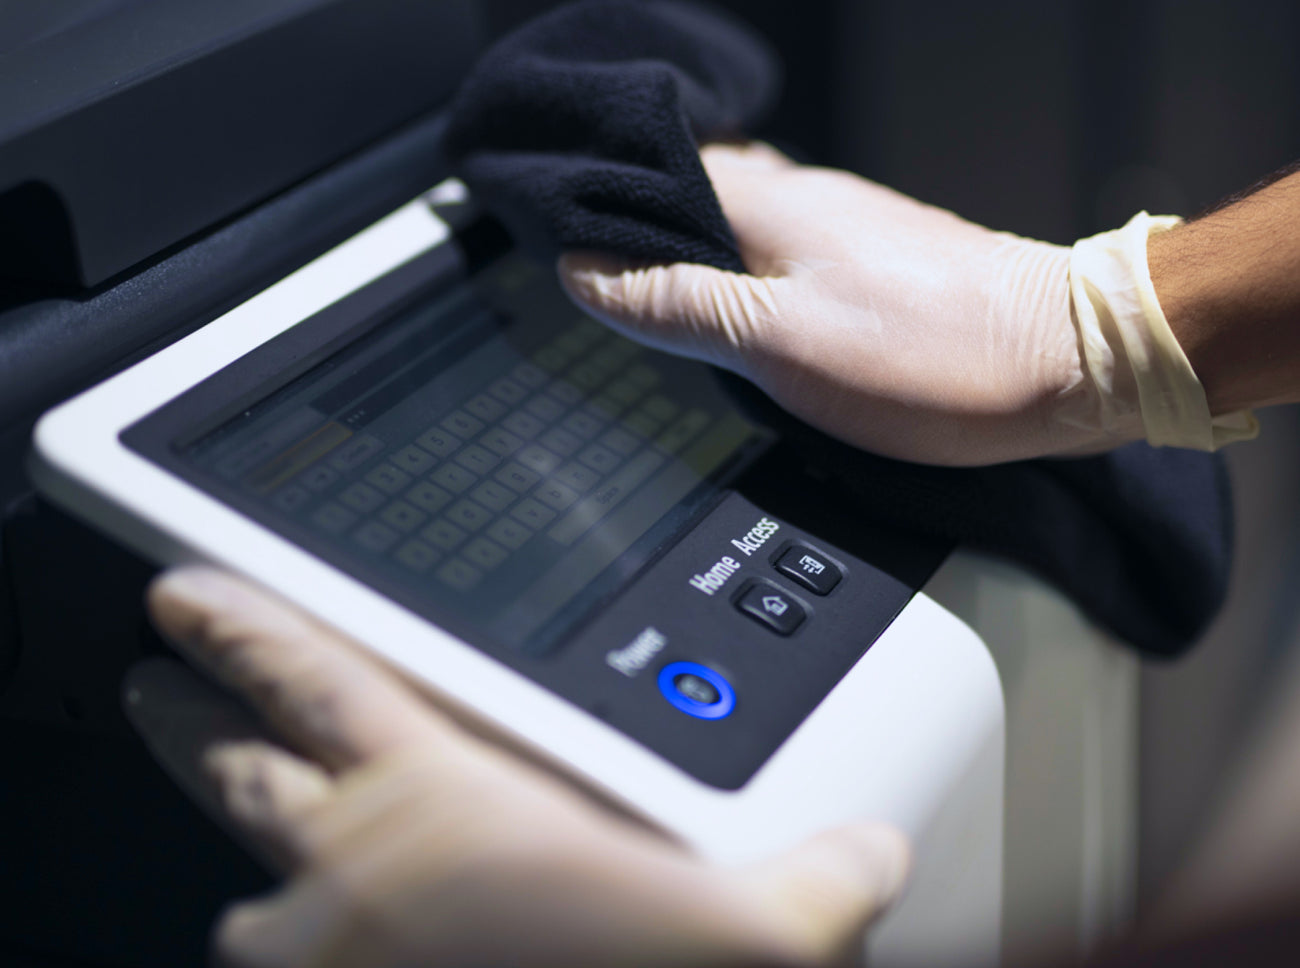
[1051, 119]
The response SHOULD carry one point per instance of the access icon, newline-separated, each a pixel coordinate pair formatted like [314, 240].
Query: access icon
[808, 567]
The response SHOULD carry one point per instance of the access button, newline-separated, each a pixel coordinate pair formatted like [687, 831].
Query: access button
[772, 606]
[697, 690]
[809, 568]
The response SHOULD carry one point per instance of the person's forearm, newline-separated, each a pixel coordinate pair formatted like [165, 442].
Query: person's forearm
[1229, 285]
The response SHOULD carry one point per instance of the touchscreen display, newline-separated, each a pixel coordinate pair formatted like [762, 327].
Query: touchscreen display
[482, 453]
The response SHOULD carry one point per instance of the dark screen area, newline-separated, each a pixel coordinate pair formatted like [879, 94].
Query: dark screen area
[479, 451]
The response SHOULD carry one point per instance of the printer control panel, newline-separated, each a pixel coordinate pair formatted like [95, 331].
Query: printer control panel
[604, 520]
[726, 643]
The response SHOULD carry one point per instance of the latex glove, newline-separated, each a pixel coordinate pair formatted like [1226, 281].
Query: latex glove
[900, 328]
[406, 841]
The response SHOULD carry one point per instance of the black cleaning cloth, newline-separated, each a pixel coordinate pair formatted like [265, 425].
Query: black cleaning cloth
[580, 131]
[576, 130]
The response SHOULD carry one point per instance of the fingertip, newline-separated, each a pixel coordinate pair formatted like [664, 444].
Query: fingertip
[242, 932]
[180, 595]
[193, 606]
[885, 856]
[592, 279]
[865, 865]
[198, 584]
[821, 895]
[291, 926]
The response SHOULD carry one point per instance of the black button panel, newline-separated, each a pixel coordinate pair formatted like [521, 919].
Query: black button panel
[773, 606]
[689, 662]
[810, 568]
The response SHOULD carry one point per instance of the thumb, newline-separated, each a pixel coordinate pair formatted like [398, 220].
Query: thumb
[687, 309]
[828, 889]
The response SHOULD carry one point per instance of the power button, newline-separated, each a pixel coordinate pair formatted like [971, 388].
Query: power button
[697, 690]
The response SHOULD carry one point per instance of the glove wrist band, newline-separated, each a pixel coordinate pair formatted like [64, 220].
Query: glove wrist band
[1129, 350]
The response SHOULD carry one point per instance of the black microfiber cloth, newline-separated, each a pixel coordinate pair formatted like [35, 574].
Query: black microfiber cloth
[580, 131]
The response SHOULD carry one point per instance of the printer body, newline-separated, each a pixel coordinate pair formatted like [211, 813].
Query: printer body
[932, 676]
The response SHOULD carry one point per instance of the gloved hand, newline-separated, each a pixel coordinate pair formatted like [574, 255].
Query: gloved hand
[407, 841]
[905, 330]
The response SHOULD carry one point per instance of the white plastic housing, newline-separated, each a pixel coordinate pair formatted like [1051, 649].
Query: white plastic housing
[913, 735]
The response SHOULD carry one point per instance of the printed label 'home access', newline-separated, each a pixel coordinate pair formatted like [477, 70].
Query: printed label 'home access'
[714, 578]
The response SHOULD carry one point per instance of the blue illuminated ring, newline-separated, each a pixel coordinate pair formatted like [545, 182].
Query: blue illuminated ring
[725, 703]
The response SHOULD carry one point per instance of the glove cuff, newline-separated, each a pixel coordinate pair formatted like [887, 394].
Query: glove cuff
[1130, 351]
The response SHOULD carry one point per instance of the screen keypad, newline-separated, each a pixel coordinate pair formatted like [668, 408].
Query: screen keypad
[528, 450]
